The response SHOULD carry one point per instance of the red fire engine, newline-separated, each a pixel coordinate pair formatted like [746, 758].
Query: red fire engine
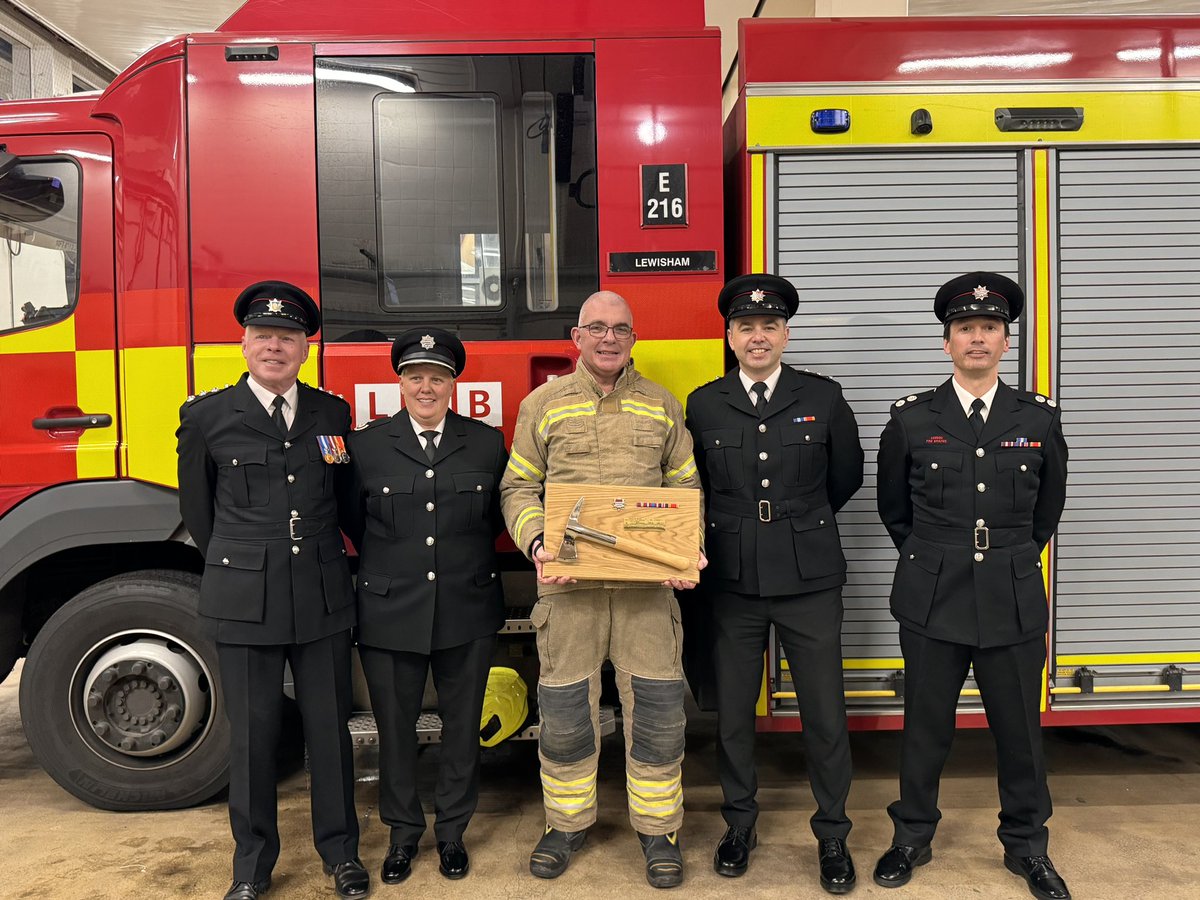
[486, 169]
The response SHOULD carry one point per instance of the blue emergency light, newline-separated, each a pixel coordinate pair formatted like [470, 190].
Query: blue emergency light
[830, 121]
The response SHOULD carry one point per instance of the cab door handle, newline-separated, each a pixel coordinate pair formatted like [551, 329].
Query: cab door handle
[87, 420]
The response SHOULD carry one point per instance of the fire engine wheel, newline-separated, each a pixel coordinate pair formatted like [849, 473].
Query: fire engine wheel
[119, 696]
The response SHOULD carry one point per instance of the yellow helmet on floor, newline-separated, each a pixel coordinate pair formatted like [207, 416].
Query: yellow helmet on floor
[505, 706]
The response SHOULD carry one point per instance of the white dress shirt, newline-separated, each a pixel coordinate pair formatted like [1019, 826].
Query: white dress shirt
[770, 381]
[966, 398]
[418, 428]
[267, 398]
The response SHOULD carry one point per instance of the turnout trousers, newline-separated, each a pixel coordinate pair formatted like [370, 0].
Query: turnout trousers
[1010, 685]
[638, 629]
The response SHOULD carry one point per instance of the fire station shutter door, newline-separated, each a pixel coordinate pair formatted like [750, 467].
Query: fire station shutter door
[1129, 231]
[867, 239]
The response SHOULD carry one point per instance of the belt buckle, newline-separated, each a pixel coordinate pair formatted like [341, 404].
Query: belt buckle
[764, 510]
[292, 529]
[987, 539]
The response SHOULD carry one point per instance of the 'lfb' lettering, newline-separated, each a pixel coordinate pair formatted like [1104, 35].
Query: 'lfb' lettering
[482, 400]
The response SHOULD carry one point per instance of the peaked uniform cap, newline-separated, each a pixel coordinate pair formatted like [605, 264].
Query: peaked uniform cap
[429, 345]
[979, 294]
[758, 295]
[278, 304]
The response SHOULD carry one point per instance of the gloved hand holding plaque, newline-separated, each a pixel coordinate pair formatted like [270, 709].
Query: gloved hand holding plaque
[617, 533]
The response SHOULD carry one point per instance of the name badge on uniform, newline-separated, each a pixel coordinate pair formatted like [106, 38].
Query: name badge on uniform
[333, 448]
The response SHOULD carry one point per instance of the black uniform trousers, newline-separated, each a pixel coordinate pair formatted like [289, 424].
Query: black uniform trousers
[252, 682]
[1010, 685]
[809, 626]
[396, 680]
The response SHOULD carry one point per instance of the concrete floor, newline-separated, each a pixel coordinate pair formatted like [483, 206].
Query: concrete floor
[1125, 826]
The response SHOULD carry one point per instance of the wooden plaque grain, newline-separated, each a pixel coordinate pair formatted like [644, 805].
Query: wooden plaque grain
[614, 509]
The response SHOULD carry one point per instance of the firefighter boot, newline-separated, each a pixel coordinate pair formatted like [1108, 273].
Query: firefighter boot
[550, 857]
[664, 862]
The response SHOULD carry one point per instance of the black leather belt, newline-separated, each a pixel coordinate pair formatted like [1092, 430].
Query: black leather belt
[979, 538]
[296, 528]
[763, 510]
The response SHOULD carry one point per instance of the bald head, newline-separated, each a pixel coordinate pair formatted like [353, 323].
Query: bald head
[607, 305]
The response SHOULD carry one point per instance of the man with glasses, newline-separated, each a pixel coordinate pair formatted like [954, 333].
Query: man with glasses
[607, 424]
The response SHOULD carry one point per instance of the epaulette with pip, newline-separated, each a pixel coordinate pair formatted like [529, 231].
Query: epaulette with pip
[209, 393]
[1037, 399]
[913, 399]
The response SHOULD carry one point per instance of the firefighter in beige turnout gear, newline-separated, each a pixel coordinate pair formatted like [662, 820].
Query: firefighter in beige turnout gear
[604, 423]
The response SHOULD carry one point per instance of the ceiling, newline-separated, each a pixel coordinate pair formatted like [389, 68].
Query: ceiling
[117, 31]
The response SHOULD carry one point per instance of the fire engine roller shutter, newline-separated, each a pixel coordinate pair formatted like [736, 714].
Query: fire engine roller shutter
[868, 239]
[1129, 269]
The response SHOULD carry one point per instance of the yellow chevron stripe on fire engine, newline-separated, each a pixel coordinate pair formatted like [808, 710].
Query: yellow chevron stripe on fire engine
[153, 387]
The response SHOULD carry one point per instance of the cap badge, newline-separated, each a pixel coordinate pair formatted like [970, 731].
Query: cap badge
[757, 295]
[275, 306]
[427, 342]
[981, 293]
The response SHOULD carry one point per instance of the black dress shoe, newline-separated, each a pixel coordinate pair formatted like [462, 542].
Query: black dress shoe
[350, 879]
[837, 868]
[248, 890]
[455, 863]
[733, 853]
[664, 862]
[1039, 874]
[896, 866]
[550, 857]
[397, 865]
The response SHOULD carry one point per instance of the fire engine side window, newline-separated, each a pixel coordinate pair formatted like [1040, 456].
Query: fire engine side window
[438, 178]
[39, 250]
[458, 191]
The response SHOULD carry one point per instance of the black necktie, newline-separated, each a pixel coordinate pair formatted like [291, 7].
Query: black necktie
[429, 447]
[277, 415]
[976, 416]
[760, 391]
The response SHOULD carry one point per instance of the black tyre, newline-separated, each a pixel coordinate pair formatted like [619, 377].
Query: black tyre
[119, 696]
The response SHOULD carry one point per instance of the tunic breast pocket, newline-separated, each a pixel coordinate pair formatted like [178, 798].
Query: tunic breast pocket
[937, 473]
[805, 452]
[242, 478]
[723, 458]
[320, 481]
[1019, 468]
[390, 504]
[473, 498]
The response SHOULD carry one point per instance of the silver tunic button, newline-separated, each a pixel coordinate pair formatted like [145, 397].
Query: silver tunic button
[933, 465]
[762, 429]
[295, 514]
[912, 556]
[1038, 563]
[225, 561]
[429, 473]
[808, 437]
[429, 576]
[1024, 468]
[387, 490]
[981, 487]
[911, 397]
[978, 557]
[979, 451]
[287, 445]
[235, 462]
[429, 541]
[766, 482]
[821, 522]
[979, 523]
[478, 488]
[763, 455]
[291, 479]
[716, 443]
[493, 574]
[295, 550]
[429, 507]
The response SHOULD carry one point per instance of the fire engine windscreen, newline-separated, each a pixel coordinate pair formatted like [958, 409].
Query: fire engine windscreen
[39, 223]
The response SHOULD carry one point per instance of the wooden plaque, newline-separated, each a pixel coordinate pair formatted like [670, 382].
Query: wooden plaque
[652, 521]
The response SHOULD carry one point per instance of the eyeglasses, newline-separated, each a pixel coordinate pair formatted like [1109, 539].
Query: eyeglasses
[599, 331]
